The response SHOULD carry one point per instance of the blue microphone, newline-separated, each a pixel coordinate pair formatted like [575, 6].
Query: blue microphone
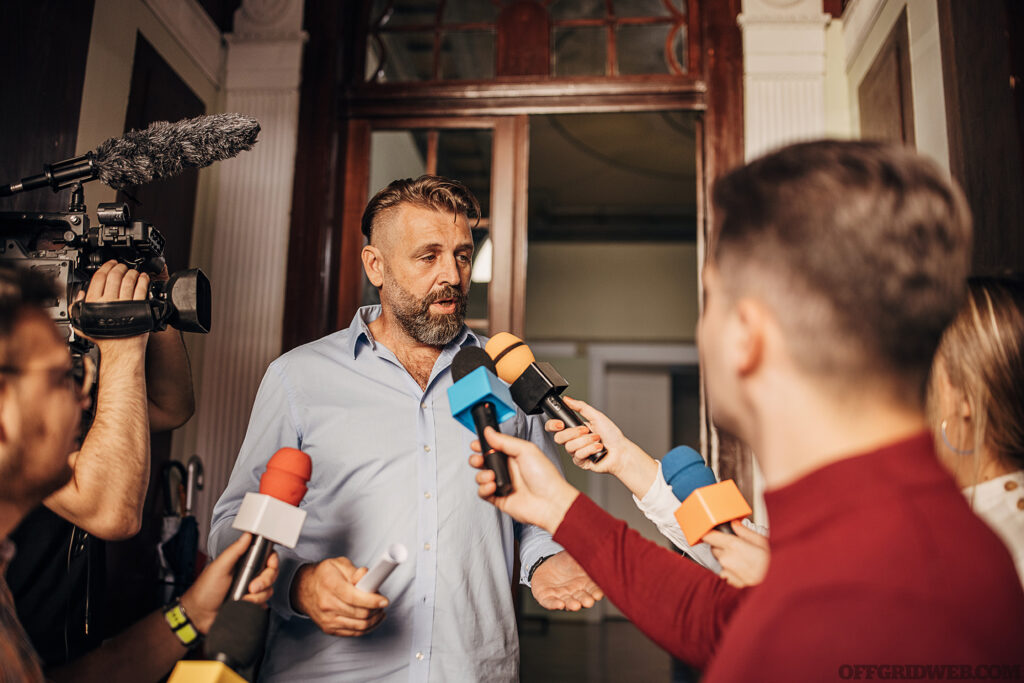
[478, 399]
[685, 471]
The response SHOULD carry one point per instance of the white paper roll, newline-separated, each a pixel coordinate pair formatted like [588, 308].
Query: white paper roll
[395, 555]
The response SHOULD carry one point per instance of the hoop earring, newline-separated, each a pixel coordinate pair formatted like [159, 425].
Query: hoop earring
[945, 440]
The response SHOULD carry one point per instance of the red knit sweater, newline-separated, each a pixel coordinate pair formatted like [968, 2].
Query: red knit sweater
[876, 561]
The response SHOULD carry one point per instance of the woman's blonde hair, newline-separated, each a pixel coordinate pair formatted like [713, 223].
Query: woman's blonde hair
[982, 352]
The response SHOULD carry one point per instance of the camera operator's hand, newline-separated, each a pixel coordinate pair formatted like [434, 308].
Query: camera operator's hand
[110, 472]
[117, 282]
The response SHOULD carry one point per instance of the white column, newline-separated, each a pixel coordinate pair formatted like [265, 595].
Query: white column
[784, 94]
[783, 72]
[250, 247]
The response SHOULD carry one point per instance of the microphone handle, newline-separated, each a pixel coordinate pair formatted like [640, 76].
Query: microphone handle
[555, 407]
[253, 562]
[485, 416]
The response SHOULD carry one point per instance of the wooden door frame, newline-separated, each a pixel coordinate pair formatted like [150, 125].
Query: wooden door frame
[322, 285]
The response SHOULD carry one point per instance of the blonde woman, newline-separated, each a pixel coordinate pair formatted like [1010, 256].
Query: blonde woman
[976, 406]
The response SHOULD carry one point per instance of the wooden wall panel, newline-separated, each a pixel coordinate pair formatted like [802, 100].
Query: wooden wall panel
[984, 125]
[43, 47]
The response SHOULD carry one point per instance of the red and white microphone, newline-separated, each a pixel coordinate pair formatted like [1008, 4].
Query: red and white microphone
[272, 515]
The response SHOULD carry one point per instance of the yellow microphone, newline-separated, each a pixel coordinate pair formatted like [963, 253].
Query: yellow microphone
[536, 387]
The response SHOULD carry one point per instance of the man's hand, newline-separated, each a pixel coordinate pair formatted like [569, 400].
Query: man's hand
[539, 495]
[326, 592]
[560, 583]
[744, 557]
[204, 598]
[117, 282]
[625, 460]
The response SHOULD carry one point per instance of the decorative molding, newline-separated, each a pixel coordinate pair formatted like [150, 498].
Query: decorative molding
[261, 64]
[269, 20]
[859, 19]
[814, 20]
[192, 27]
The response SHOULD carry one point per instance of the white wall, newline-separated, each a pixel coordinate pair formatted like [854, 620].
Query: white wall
[615, 291]
[106, 87]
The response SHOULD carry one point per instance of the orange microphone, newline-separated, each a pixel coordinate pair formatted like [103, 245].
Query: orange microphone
[272, 515]
[711, 507]
[536, 387]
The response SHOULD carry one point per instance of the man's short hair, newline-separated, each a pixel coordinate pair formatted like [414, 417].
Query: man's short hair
[862, 250]
[21, 289]
[428, 191]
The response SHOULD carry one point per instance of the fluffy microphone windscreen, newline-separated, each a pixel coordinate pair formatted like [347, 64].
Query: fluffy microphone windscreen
[166, 149]
[237, 634]
[511, 355]
[469, 359]
[287, 473]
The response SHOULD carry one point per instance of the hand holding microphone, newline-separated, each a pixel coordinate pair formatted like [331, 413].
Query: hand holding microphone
[478, 400]
[272, 515]
[539, 495]
[536, 387]
[744, 554]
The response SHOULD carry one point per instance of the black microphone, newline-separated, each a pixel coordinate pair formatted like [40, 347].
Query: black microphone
[160, 151]
[232, 646]
[237, 634]
[535, 386]
[478, 400]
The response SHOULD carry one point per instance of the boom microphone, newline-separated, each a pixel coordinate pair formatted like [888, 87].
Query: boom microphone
[478, 400]
[272, 515]
[536, 387]
[160, 151]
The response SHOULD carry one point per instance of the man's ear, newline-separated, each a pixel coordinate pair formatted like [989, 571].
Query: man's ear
[750, 328]
[373, 264]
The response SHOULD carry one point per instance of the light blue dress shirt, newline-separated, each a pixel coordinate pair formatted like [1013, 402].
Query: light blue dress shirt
[390, 465]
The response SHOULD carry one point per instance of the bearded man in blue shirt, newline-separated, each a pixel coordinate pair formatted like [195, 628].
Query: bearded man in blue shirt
[369, 404]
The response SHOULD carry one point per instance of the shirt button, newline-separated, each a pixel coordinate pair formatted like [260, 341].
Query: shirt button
[426, 448]
[426, 494]
[423, 405]
[1010, 485]
[419, 655]
[426, 546]
[1020, 504]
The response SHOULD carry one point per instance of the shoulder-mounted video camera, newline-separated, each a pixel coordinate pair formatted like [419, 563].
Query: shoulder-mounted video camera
[64, 246]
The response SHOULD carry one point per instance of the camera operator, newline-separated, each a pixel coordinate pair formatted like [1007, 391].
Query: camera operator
[41, 397]
[58, 576]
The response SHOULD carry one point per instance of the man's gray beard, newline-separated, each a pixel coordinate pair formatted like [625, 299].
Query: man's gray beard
[414, 314]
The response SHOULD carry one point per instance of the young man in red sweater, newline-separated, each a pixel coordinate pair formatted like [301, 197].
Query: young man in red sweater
[832, 271]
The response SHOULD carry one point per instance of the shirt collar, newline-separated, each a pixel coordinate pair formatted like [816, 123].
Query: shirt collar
[360, 328]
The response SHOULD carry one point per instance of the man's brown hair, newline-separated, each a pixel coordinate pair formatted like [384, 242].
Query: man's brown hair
[428, 191]
[861, 248]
